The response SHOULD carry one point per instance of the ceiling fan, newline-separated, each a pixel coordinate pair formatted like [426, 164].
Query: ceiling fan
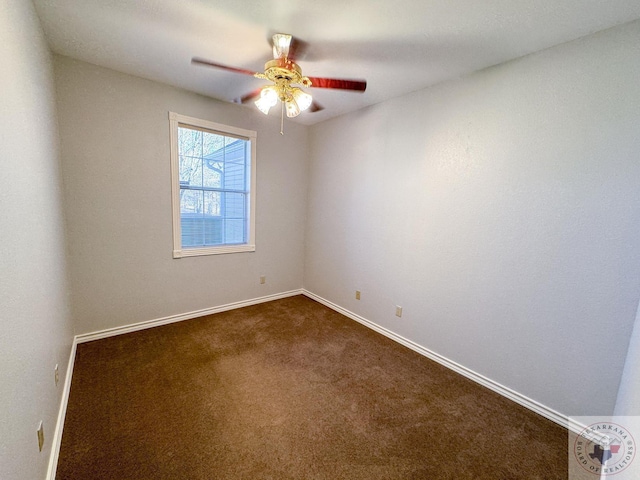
[287, 79]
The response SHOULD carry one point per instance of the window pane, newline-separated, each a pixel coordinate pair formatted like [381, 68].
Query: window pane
[213, 231]
[234, 231]
[235, 171]
[212, 142]
[190, 171]
[213, 166]
[191, 201]
[234, 205]
[192, 233]
[191, 204]
[212, 203]
[212, 174]
[189, 142]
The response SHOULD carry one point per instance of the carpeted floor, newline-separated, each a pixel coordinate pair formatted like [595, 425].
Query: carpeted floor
[289, 390]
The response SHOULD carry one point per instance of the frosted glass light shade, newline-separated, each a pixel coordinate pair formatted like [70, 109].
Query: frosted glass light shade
[268, 98]
[292, 108]
[303, 99]
[295, 100]
[281, 44]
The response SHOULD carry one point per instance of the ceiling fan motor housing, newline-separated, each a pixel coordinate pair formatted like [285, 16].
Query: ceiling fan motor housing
[283, 70]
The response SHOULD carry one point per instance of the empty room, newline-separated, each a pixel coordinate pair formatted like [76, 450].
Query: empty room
[320, 240]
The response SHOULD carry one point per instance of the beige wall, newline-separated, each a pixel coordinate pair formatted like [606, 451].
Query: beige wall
[501, 211]
[35, 328]
[116, 169]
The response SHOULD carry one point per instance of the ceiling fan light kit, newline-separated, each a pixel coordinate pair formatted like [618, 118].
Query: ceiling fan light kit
[283, 73]
[287, 79]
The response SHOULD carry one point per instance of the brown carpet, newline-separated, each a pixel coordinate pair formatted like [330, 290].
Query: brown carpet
[289, 390]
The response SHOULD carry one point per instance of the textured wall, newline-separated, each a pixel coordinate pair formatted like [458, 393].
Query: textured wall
[502, 212]
[116, 169]
[35, 329]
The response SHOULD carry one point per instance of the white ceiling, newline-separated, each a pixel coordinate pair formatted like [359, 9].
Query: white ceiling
[398, 46]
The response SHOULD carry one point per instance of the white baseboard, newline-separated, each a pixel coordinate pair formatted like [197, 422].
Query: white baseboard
[57, 435]
[134, 327]
[520, 399]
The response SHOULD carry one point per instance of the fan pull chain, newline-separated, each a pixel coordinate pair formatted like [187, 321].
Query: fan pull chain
[282, 119]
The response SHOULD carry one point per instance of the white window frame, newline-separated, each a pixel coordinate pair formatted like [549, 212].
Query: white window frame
[176, 120]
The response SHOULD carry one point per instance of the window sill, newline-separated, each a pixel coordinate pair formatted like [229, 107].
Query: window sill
[196, 252]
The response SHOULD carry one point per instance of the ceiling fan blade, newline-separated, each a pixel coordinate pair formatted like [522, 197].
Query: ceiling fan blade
[337, 83]
[315, 107]
[249, 96]
[208, 63]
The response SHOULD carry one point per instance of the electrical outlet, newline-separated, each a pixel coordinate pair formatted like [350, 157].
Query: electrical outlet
[398, 311]
[40, 433]
[57, 374]
[357, 294]
[263, 279]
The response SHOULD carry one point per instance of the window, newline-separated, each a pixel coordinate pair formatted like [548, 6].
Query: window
[212, 187]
